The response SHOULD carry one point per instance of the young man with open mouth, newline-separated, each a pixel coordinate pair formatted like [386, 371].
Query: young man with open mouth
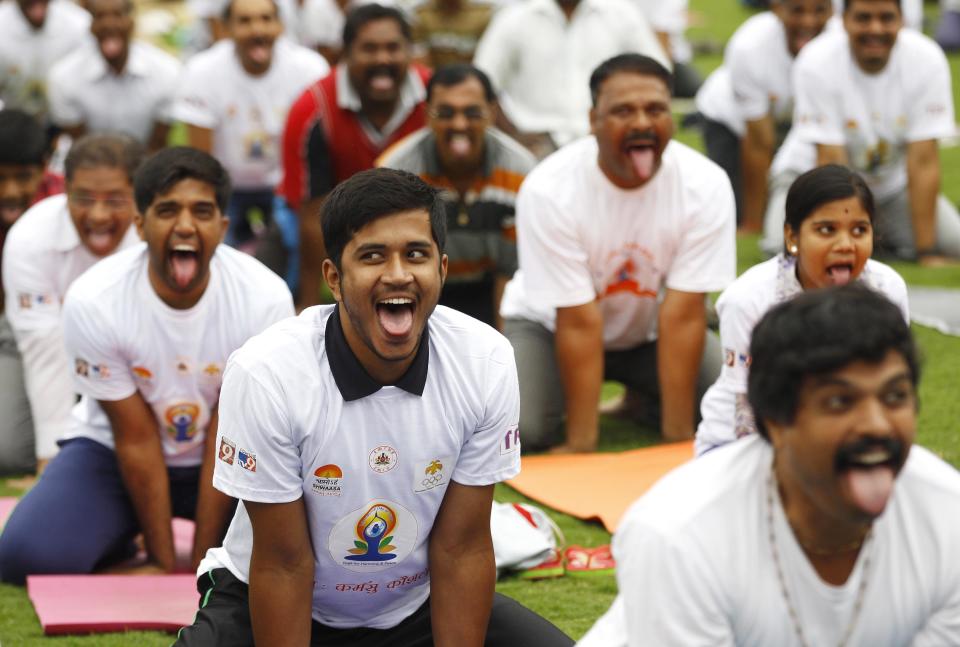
[147, 332]
[827, 528]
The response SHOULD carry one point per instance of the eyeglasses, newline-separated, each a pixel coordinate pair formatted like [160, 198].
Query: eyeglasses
[447, 113]
[112, 201]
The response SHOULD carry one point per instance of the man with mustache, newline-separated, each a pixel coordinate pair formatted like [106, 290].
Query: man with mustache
[147, 333]
[748, 101]
[341, 124]
[877, 98]
[35, 34]
[478, 170]
[120, 85]
[234, 98]
[828, 528]
[604, 226]
[379, 426]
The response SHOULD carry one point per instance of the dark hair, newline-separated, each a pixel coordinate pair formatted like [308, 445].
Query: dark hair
[818, 332]
[165, 168]
[847, 3]
[374, 194]
[357, 18]
[228, 10]
[23, 140]
[128, 7]
[633, 63]
[456, 74]
[112, 150]
[821, 186]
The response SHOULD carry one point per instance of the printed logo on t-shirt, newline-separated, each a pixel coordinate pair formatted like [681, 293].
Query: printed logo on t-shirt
[27, 300]
[630, 270]
[211, 372]
[376, 536]
[141, 374]
[510, 441]
[328, 480]
[247, 459]
[184, 366]
[432, 473]
[227, 451]
[84, 368]
[181, 419]
[728, 356]
[743, 360]
[383, 459]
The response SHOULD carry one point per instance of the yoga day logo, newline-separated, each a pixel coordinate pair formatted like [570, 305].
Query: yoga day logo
[181, 421]
[376, 536]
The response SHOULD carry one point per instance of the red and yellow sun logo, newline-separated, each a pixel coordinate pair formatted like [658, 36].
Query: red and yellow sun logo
[328, 472]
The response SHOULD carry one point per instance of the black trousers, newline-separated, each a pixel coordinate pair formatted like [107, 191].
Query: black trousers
[224, 620]
[723, 147]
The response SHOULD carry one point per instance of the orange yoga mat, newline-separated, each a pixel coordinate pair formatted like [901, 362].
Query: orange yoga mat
[597, 486]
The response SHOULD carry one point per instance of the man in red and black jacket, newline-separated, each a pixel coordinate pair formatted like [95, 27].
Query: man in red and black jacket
[340, 125]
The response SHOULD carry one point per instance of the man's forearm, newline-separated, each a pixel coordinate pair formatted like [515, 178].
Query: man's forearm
[580, 360]
[280, 602]
[462, 583]
[924, 186]
[46, 373]
[679, 351]
[312, 253]
[145, 477]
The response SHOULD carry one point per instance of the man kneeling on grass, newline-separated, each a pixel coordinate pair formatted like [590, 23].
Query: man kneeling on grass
[364, 440]
[825, 529]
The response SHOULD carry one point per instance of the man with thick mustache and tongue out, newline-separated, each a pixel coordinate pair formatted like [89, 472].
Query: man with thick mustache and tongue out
[827, 528]
[121, 85]
[478, 170]
[605, 226]
[877, 97]
[148, 332]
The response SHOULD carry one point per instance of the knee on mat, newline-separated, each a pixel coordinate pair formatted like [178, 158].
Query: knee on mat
[21, 554]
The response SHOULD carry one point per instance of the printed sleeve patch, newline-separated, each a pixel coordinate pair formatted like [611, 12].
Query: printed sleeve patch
[227, 451]
[247, 460]
[510, 441]
[432, 473]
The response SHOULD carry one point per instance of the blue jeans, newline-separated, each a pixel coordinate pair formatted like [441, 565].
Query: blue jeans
[79, 515]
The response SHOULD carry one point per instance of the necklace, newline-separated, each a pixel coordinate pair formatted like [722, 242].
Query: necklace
[782, 580]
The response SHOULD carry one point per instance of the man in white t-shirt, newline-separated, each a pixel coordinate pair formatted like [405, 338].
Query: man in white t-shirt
[606, 226]
[668, 18]
[539, 55]
[234, 99]
[35, 34]
[829, 529]
[148, 332]
[878, 97]
[747, 103]
[117, 86]
[53, 243]
[364, 440]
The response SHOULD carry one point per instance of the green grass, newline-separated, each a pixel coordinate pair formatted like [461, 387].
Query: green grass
[574, 604]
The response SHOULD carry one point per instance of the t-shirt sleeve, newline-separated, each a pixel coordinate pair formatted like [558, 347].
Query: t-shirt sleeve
[194, 102]
[751, 97]
[31, 297]
[99, 367]
[706, 257]
[737, 320]
[669, 592]
[169, 80]
[818, 115]
[257, 456]
[492, 453]
[931, 104]
[556, 270]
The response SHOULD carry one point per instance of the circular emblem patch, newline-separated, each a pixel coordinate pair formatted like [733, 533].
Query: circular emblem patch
[378, 535]
[383, 459]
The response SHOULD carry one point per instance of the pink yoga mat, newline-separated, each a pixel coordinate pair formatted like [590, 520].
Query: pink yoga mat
[99, 603]
[6, 507]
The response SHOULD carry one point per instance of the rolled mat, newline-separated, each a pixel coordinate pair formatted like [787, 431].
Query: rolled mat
[597, 486]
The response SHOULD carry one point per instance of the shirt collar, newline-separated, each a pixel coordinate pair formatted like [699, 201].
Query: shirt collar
[352, 379]
[411, 93]
[97, 66]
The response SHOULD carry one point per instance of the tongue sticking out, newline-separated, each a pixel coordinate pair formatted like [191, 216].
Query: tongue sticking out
[184, 268]
[398, 322]
[839, 274]
[382, 82]
[259, 53]
[642, 159]
[870, 487]
[111, 47]
[37, 12]
[99, 241]
[460, 145]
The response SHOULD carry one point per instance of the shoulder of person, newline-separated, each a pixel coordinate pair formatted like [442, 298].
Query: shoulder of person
[694, 169]
[65, 72]
[820, 57]
[885, 274]
[929, 476]
[748, 290]
[286, 343]
[408, 153]
[250, 273]
[561, 167]
[918, 56]
[158, 59]
[69, 13]
[99, 283]
[756, 33]
[212, 60]
[520, 158]
[461, 335]
[37, 228]
[302, 57]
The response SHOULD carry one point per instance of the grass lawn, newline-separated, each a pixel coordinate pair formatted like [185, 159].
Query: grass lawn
[574, 604]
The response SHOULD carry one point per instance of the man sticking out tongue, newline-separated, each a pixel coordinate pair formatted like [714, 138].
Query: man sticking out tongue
[843, 529]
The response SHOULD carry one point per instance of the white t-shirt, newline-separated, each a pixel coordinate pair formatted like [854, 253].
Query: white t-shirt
[321, 21]
[246, 113]
[83, 90]
[874, 116]
[669, 17]
[726, 414]
[695, 564]
[121, 338]
[300, 418]
[544, 81]
[26, 54]
[580, 238]
[754, 80]
[41, 257]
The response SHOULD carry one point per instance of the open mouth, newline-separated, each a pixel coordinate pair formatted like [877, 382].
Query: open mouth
[112, 46]
[868, 469]
[382, 79]
[259, 50]
[184, 265]
[396, 316]
[459, 144]
[100, 241]
[643, 156]
[840, 274]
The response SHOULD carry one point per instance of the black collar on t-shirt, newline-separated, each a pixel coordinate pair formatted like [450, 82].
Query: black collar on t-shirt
[353, 380]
